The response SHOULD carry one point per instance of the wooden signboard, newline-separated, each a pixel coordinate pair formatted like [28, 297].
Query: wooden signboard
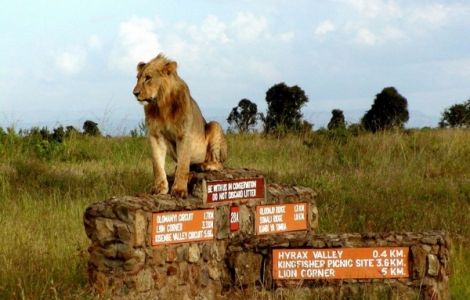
[270, 219]
[234, 218]
[340, 263]
[235, 189]
[182, 226]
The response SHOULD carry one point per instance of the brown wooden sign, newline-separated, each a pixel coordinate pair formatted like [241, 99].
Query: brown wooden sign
[182, 226]
[278, 218]
[340, 263]
[232, 190]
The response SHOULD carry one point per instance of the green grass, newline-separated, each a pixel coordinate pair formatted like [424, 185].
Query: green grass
[413, 181]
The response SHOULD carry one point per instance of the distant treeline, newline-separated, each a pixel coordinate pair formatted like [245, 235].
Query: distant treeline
[388, 111]
[57, 134]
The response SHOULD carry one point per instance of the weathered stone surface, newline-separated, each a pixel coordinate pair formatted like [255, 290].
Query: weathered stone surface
[419, 261]
[136, 263]
[313, 216]
[144, 280]
[222, 222]
[433, 265]
[430, 240]
[172, 270]
[160, 279]
[104, 230]
[204, 276]
[214, 271]
[140, 229]
[247, 267]
[159, 256]
[194, 254]
[182, 252]
[124, 265]
[124, 251]
[171, 254]
[246, 220]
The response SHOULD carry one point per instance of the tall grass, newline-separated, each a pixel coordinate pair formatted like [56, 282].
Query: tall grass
[413, 181]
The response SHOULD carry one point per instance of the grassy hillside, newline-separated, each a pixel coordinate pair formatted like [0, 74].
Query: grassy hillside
[394, 181]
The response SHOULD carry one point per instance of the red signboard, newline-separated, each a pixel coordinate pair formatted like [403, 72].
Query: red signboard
[234, 218]
[278, 218]
[232, 190]
[182, 226]
[340, 263]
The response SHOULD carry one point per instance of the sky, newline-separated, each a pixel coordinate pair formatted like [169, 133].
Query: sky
[64, 62]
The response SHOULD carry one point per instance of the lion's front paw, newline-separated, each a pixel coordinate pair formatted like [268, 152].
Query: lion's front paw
[179, 192]
[159, 189]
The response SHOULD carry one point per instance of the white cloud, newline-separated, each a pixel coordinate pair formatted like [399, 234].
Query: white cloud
[435, 14]
[214, 29]
[71, 61]
[376, 8]
[182, 50]
[366, 37]
[137, 41]
[248, 27]
[211, 30]
[94, 42]
[286, 36]
[324, 28]
[392, 34]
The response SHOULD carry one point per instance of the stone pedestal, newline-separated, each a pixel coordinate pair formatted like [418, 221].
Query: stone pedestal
[123, 262]
[128, 261]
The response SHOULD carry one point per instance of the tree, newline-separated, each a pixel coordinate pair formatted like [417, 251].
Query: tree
[458, 115]
[244, 116]
[284, 104]
[390, 110]
[337, 120]
[45, 134]
[91, 128]
[58, 134]
[71, 131]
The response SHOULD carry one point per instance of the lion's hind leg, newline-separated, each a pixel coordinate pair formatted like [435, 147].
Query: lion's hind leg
[216, 152]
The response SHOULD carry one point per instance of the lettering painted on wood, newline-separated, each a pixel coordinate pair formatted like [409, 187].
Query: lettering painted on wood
[233, 190]
[234, 218]
[182, 226]
[341, 263]
[270, 219]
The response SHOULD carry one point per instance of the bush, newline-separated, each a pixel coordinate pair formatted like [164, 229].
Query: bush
[91, 128]
[47, 150]
[244, 116]
[58, 134]
[337, 120]
[284, 104]
[457, 115]
[356, 129]
[390, 110]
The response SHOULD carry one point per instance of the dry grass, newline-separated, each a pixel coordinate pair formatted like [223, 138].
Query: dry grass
[392, 181]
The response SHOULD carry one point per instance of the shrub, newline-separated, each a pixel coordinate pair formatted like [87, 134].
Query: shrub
[390, 110]
[284, 104]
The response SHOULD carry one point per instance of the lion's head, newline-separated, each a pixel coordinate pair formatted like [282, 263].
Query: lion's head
[156, 79]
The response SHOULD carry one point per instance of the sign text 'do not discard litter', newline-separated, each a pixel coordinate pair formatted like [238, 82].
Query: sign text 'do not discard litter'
[235, 189]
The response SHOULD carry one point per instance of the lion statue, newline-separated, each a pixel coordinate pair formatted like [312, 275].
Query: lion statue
[176, 126]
